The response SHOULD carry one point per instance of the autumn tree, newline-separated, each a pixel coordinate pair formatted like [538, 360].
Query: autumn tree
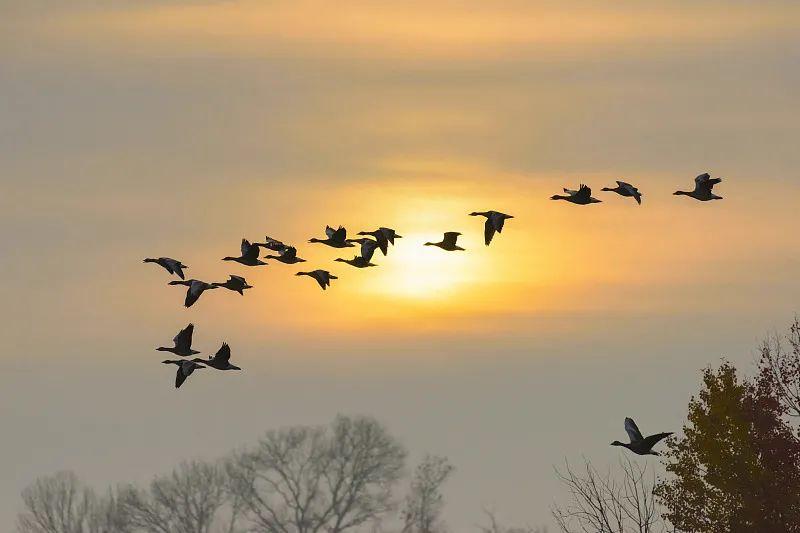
[737, 467]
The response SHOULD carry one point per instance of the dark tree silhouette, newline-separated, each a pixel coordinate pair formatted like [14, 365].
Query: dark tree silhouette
[424, 502]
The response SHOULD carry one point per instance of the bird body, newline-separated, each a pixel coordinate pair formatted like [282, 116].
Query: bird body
[368, 247]
[336, 238]
[703, 184]
[287, 256]
[196, 288]
[627, 190]
[173, 266]
[221, 360]
[640, 445]
[249, 255]
[448, 242]
[185, 369]
[357, 261]
[323, 277]
[235, 284]
[271, 244]
[494, 223]
[183, 343]
[583, 196]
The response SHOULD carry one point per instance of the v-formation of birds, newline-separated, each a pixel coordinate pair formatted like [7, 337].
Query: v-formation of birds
[368, 243]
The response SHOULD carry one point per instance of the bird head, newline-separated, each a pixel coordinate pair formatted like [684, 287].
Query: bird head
[149, 260]
[679, 193]
[475, 214]
[606, 189]
[617, 443]
[339, 259]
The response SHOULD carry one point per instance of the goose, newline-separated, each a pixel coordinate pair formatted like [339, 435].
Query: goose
[368, 247]
[702, 188]
[640, 445]
[221, 359]
[173, 266]
[287, 256]
[185, 369]
[271, 244]
[448, 242]
[627, 190]
[249, 255]
[494, 223]
[183, 343]
[323, 277]
[337, 238]
[384, 237]
[583, 196]
[357, 261]
[234, 283]
[196, 288]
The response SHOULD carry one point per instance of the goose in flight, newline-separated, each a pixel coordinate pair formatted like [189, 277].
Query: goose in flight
[368, 247]
[357, 261]
[288, 256]
[249, 255]
[183, 343]
[196, 288]
[234, 283]
[173, 266]
[583, 196]
[271, 244]
[627, 190]
[702, 188]
[448, 242]
[640, 445]
[221, 359]
[494, 223]
[323, 277]
[383, 236]
[185, 369]
[336, 238]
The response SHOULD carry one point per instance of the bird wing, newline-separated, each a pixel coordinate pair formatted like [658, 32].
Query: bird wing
[388, 233]
[249, 251]
[273, 244]
[329, 231]
[195, 290]
[339, 235]
[290, 252]
[184, 338]
[704, 182]
[180, 377]
[488, 231]
[571, 192]
[652, 440]
[583, 193]
[450, 237]
[238, 279]
[633, 431]
[178, 269]
[368, 247]
[224, 353]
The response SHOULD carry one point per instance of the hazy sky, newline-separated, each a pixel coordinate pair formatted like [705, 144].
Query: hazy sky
[143, 128]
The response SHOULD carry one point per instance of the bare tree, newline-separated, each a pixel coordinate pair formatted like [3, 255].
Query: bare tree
[194, 498]
[780, 364]
[424, 502]
[600, 504]
[318, 479]
[494, 526]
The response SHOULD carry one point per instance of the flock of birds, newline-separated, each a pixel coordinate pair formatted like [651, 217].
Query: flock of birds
[368, 242]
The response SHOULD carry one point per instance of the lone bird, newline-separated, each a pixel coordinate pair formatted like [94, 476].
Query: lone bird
[494, 223]
[249, 255]
[627, 190]
[448, 242]
[173, 266]
[384, 237]
[702, 188]
[640, 445]
[221, 359]
[357, 261]
[323, 277]
[288, 256]
[235, 284]
[185, 369]
[583, 196]
[183, 343]
[196, 288]
[336, 238]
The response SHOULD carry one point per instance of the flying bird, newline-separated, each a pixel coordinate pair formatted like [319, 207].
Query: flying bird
[183, 343]
[357, 261]
[384, 237]
[287, 256]
[448, 242]
[336, 238]
[173, 266]
[185, 369]
[640, 445]
[368, 247]
[249, 255]
[323, 277]
[702, 188]
[221, 359]
[494, 223]
[627, 190]
[196, 288]
[234, 283]
[583, 196]
[271, 244]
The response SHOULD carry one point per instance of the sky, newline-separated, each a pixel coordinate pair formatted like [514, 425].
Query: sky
[132, 129]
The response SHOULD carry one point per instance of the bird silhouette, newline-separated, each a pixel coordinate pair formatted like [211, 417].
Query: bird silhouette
[235, 284]
[494, 223]
[185, 369]
[583, 196]
[249, 255]
[221, 359]
[287, 256]
[183, 343]
[357, 261]
[323, 277]
[384, 237]
[196, 288]
[703, 184]
[271, 244]
[448, 242]
[173, 266]
[627, 190]
[638, 444]
[336, 238]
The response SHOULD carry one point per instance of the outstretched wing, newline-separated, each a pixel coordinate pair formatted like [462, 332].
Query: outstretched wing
[249, 251]
[704, 182]
[583, 193]
[633, 431]
[180, 377]
[368, 247]
[194, 292]
[339, 235]
[450, 238]
[290, 252]
[652, 440]
[488, 231]
[224, 353]
[238, 279]
[329, 231]
[183, 340]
